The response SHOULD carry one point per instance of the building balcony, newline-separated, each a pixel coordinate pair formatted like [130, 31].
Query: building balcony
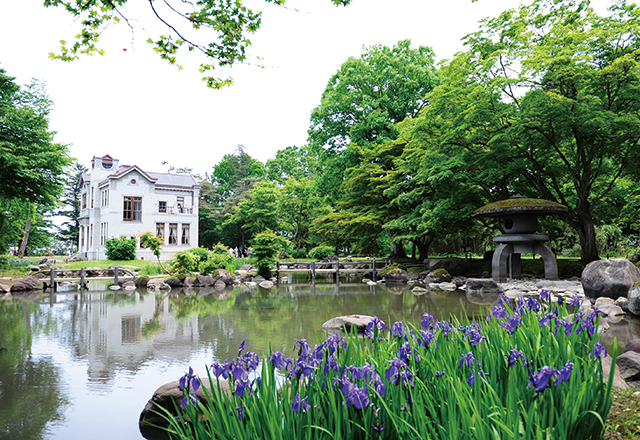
[177, 210]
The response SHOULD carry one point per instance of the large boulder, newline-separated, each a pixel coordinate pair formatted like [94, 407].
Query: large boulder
[347, 324]
[455, 266]
[633, 299]
[483, 291]
[610, 278]
[397, 275]
[26, 284]
[633, 345]
[224, 275]
[629, 365]
[168, 396]
[203, 281]
[174, 282]
[158, 283]
[284, 255]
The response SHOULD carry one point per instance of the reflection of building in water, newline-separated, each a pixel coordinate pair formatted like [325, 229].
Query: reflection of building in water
[125, 333]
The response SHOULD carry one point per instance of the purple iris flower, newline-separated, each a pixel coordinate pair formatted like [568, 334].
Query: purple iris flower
[467, 360]
[397, 329]
[241, 348]
[378, 428]
[560, 299]
[533, 304]
[404, 352]
[305, 348]
[334, 342]
[546, 319]
[189, 381]
[250, 360]
[474, 337]
[238, 371]
[564, 373]
[439, 373]
[472, 379]
[240, 410]
[359, 397]
[426, 339]
[221, 369]
[300, 404]
[540, 379]
[599, 350]
[568, 326]
[505, 301]
[189, 400]
[512, 324]
[575, 301]
[375, 323]
[513, 357]
[241, 387]
[427, 321]
[545, 295]
[279, 361]
[394, 370]
[381, 388]
[498, 312]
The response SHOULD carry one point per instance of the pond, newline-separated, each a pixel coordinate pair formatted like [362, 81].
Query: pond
[82, 364]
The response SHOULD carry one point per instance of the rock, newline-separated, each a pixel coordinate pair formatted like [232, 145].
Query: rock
[397, 276]
[142, 281]
[158, 284]
[166, 395]
[439, 276]
[629, 365]
[611, 310]
[266, 284]
[129, 287]
[618, 381]
[604, 301]
[448, 286]
[455, 266]
[365, 280]
[623, 303]
[4, 288]
[203, 280]
[245, 268]
[372, 283]
[188, 282]
[610, 278]
[332, 258]
[115, 287]
[347, 323]
[220, 285]
[633, 345]
[258, 279]
[173, 282]
[26, 284]
[483, 286]
[419, 291]
[634, 299]
[283, 255]
[224, 275]
[559, 285]
[251, 284]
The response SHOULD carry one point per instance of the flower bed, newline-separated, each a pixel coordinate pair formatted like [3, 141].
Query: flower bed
[530, 371]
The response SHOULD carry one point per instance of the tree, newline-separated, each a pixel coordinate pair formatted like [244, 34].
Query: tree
[545, 102]
[70, 204]
[154, 244]
[294, 162]
[266, 245]
[188, 25]
[258, 211]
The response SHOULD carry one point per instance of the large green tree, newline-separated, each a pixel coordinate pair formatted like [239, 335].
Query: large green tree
[70, 205]
[544, 102]
[218, 30]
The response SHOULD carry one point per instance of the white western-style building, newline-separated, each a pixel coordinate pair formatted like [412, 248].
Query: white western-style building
[125, 201]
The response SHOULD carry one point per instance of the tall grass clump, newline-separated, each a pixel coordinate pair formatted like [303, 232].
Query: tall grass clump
[530, 371]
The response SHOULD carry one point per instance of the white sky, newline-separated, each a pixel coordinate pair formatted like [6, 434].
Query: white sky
[139, 109]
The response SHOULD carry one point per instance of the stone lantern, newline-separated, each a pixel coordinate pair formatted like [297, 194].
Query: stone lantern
[520, 222]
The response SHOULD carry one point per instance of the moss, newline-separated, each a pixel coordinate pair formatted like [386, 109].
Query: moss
[522, 204]
[439, 273]
[636, 284]
[392, 268]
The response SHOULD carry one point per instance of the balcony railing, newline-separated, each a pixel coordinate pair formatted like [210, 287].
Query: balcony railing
[179, 210]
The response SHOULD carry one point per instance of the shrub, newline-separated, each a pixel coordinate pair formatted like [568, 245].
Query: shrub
[200, 252]
[215, 261]
[4, 261]
[299, 253]
[121, 248]
[184, 262]
[266, 245]
[321, 252]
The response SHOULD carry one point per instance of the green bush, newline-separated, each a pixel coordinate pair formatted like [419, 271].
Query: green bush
[200, 252]
[184, 262]
[299, 254]
[4, 261]
[122, 249]
[215, 261]
[321, 252]
[266, 245]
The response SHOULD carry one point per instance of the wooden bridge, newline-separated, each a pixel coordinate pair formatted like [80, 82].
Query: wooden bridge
[82, 276]
[335, 268]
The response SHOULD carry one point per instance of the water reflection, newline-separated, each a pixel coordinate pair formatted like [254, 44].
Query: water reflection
[104, 351]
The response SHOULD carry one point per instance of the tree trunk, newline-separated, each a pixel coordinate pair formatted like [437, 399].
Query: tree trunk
[583, 224]
[397, 249]
[25, 238]
[423, 246]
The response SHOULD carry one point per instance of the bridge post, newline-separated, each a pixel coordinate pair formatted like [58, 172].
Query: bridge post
[373, 269]
[115, 275]
[278, 271]
[313, 270]
[52, 276]
[83, 283]
[337, 271]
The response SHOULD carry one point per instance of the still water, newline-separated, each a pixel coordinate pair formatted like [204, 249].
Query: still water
[82, 364]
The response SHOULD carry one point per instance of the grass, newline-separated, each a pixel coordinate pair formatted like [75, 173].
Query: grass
[624, 417]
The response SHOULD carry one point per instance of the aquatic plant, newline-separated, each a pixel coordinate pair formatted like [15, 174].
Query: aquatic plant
[528, 371]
